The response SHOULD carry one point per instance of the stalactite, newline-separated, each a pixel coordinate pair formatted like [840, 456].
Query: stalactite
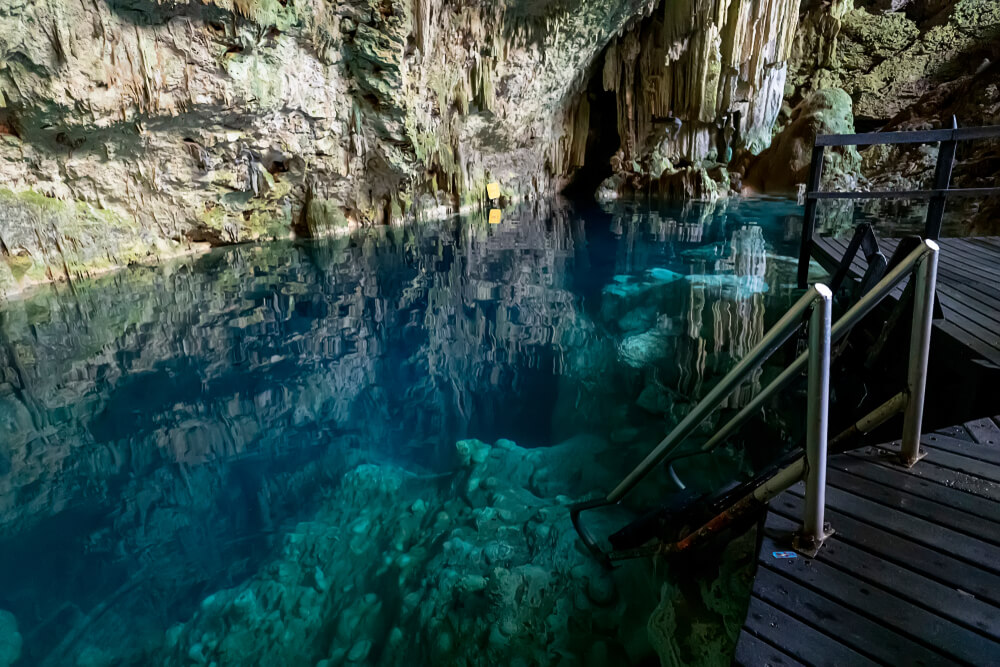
[699, 60]
[578, 133]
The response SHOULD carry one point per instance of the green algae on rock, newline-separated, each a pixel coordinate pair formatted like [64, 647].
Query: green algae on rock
[785, 164]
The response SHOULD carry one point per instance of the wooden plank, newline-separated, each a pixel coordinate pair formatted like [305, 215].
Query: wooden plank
[974, 526]
[946, 476]
[975, 253]
[946, 540]
[753, 652]
[938, 598]
[959, 275]
[974, 467]
[957, 432]
[972, 450]
[876, 602]
[863, 634]
[984, 350]
[933, 564]
[971, 298]
[990, 339]
[901, 479]
[963, 253]
[986, 432]
[978, 312]
[798, 639]
[989, 242]
[962, 281]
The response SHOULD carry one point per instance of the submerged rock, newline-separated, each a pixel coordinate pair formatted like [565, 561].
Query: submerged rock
[480, 568]
[10, 639]
[627, 294]
[640, 350]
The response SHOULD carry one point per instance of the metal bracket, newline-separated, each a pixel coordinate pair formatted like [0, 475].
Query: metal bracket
[809, 545]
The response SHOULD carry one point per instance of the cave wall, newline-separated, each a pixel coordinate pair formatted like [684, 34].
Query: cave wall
[135, 129]
[876, 65]
[131, 130]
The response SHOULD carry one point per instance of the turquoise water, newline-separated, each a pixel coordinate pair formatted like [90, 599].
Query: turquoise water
[359, 451]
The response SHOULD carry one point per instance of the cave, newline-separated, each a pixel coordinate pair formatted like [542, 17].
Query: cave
[341, 333]
[602, 140]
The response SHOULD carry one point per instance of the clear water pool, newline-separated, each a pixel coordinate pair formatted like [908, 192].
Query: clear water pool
[359, 451]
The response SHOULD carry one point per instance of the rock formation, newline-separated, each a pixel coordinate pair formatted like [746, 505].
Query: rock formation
[10, 640]
[906, 66]
[131, 130]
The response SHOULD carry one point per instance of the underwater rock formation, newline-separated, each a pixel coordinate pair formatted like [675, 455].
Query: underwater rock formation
[481, 569]
[10, 639]
[477, 567]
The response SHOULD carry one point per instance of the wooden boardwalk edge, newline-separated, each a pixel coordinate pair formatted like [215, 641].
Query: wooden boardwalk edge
[912, 574]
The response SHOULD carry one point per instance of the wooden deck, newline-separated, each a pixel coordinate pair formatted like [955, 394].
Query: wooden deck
[968, 287]
[912, 574]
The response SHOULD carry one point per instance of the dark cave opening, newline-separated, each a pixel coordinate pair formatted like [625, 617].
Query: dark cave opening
[602, 141]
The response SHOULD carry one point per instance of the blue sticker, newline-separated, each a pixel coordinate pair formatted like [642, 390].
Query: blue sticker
[784, 554]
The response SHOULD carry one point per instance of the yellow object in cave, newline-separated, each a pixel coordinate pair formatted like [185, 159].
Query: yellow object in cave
[494, 216]
[493, 190]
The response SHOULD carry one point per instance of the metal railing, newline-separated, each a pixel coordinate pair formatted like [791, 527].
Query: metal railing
[937, 195]
[922, 262]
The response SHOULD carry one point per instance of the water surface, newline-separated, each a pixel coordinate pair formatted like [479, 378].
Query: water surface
[164, 430]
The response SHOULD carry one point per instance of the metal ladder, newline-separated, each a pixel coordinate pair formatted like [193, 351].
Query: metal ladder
[811, 466]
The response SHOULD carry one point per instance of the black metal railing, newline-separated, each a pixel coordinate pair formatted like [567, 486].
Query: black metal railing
[948, 138]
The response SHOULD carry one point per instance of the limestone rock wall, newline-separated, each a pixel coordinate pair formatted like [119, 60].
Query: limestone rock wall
[175, 123]
[682, 76]
[699, 61]
[905, 65]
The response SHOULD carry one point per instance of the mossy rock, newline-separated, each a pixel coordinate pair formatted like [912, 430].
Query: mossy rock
[880, 35]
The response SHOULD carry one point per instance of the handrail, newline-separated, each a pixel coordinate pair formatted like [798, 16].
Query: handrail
[843, 325]
[922, 261]
[937, 195]
[905, 194]
[909, 137]
[773, 339]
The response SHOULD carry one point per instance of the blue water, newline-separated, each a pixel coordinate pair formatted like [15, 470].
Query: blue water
[163, 428]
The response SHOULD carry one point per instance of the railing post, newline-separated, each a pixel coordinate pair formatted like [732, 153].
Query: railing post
[814, 529]
[920, 346]
[809, 216]
[942, 180]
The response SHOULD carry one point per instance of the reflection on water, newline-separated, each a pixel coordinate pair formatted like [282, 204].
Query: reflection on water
[162, 428]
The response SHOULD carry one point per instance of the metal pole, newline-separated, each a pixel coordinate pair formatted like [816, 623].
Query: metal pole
[873, 419]
[817, 413]
[942, 179]
[920, 346]
[773, 339]
[809, 215]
